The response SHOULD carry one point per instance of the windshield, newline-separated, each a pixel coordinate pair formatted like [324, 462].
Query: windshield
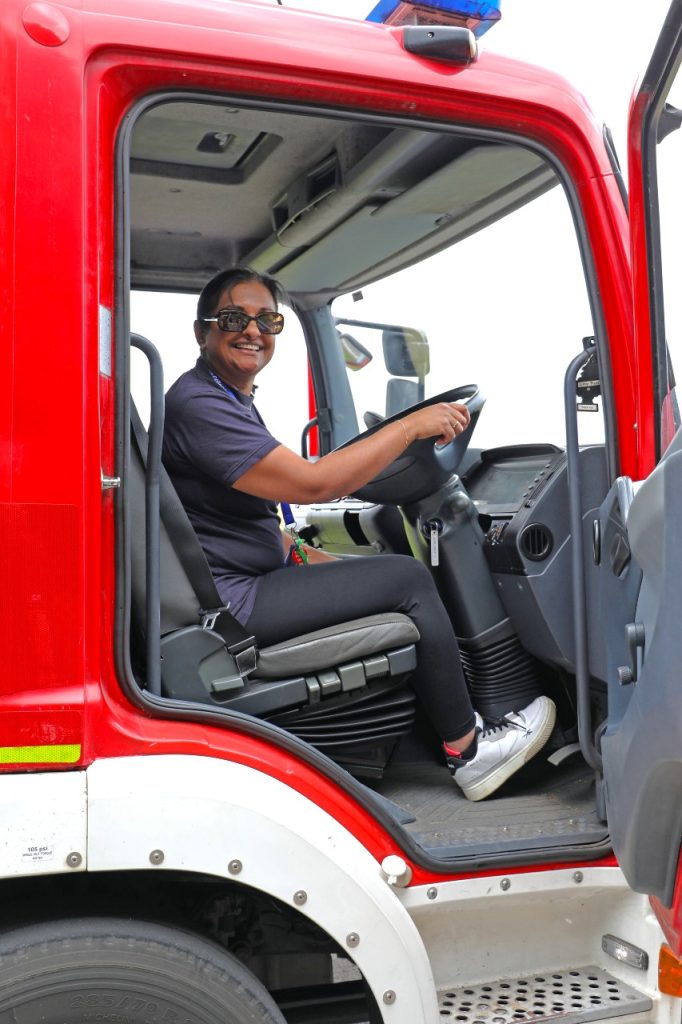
[509, 325]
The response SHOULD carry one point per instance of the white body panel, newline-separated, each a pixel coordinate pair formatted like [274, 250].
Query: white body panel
[43, 819]
[485, 929]
[203, 813]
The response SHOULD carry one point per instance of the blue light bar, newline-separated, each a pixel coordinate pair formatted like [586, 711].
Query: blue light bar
[477, 15]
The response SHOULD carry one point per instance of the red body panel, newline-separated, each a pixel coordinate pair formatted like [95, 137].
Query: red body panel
[61, 108]
[644, 412]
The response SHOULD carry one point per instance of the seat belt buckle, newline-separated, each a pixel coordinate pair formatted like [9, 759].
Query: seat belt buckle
[244, 653]
[209, 616]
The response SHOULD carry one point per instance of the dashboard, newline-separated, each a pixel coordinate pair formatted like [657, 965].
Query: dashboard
[521, 501]
[506, 478]
[506, 486]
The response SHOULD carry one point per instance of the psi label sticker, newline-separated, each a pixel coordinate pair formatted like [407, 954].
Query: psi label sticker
[37, 854]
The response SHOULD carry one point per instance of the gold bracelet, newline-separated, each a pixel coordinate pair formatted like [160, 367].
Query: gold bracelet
[407, 440]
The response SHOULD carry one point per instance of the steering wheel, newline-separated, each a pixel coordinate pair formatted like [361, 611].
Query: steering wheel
[424, 466]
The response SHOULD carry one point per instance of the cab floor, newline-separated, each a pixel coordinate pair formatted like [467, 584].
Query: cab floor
[543, 806]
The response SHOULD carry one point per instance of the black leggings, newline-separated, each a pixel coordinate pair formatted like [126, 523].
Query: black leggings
[300, 599]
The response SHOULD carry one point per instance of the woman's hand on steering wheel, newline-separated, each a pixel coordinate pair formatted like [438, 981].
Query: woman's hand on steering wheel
[437, 433]
[443, 421]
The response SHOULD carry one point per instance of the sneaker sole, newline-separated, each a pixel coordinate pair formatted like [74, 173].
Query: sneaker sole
[487, 784]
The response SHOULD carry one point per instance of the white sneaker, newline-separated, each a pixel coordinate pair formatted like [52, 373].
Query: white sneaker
[504, 746]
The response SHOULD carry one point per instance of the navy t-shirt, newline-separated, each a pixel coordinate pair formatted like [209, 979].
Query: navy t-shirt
[211, 438]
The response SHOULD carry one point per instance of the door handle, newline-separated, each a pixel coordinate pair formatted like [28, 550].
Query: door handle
[635, 639]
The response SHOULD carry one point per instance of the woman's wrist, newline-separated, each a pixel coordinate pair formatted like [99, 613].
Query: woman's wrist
[406, 436]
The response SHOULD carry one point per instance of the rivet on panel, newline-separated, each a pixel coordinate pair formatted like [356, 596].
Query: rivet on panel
[389, 997]
[578, 876]
[235, 867]
[505, 884]
[352, 940]
[300, 897]
[156, 857]
[74, 860]
[432, 893]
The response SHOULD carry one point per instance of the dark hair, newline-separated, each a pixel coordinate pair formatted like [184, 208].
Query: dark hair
[230, 277]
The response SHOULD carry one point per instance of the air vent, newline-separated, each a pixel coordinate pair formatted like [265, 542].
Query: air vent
[536, 542]
[307, 192]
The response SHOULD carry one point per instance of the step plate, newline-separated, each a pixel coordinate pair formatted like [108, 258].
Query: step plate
[572, 996]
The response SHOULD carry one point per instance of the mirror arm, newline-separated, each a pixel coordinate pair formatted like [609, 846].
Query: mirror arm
[375, 324]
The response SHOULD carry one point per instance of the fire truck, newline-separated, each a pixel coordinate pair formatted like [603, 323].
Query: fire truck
[196, 830]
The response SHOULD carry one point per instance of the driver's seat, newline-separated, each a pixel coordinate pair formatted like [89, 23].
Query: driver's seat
[343, 689]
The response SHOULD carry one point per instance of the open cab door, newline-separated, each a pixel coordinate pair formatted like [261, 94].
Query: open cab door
[642, 744]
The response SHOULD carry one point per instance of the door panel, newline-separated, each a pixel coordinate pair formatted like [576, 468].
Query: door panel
[642, 744]
[612, 602]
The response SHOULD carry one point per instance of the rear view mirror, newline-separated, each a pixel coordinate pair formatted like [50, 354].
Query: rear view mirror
[355, 355]
[406, 352]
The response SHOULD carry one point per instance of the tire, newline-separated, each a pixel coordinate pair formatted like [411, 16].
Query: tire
[109, 971]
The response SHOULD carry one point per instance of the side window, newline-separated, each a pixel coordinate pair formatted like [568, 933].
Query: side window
[510, 325]
[167, 319]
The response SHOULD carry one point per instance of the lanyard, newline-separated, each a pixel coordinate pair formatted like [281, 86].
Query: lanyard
[225, 387]
[297, 554]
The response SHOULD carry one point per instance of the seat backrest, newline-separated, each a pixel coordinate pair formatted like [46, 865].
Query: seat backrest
[187, 586]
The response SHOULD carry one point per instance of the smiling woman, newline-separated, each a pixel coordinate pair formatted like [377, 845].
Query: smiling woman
[237, 339]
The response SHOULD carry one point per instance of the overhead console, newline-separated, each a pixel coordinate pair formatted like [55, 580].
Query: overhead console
[368, 223]
[324, 202]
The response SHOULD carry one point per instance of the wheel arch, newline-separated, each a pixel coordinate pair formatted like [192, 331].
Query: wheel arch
[205, 817]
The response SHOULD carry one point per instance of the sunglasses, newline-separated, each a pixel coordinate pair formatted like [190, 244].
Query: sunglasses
[235, 321]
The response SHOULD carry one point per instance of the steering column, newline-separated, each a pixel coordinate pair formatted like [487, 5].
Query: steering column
[441, 523]
[502, 676]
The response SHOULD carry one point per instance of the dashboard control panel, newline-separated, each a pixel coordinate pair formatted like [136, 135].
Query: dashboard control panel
[505, 486]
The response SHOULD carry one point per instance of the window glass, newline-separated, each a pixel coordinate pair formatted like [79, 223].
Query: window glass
[510, 325]
[167, 321]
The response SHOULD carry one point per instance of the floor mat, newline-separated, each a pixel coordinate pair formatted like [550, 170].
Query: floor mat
[542, 806]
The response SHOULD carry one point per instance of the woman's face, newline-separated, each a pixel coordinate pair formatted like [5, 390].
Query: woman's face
[238, 356]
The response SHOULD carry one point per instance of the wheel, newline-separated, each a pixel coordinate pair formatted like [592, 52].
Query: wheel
[124, 972]
[424, 466]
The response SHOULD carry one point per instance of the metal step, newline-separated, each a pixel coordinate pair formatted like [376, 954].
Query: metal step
[570, 996]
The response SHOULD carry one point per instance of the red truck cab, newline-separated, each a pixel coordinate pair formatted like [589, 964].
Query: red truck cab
[198, 829]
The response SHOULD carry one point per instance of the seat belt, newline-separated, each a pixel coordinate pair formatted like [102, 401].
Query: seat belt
[214, 614]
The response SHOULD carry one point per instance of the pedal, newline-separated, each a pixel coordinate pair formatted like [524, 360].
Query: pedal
[570, 996]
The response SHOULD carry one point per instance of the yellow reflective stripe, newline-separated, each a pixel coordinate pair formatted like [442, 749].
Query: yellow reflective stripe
[66, 753]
